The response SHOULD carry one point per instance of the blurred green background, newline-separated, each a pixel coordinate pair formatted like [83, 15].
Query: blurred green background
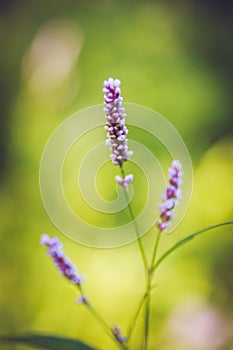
[172, 56]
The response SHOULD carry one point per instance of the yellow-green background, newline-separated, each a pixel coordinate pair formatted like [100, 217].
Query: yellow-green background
[172, 56]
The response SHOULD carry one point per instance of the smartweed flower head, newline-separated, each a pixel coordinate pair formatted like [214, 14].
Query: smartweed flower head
[115, 122]
[171, 195]
[66, 268]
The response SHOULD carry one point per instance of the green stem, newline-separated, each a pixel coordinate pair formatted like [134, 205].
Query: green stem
[155, 250]
[187, 240]
[147, 314]
[134, 320]
[135, 225]
[105, 326]
[149, 280]
[142, 251]
[100, 320]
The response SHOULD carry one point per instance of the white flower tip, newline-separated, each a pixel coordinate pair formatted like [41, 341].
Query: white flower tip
[112, 82]
[117, 82]
[129, 153]
[176, 164]
[119, 180]
[129, 178]
[109, 81]
[44, 239]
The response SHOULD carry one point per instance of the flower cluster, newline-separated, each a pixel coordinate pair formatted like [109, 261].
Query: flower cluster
[66, 268]
[124, 182]
[115, 117]
[171, 195]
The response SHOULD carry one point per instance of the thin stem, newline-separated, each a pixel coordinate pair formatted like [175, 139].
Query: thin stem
[100, 320]
[142, 251]
[149, 280]
[135, 225]
[147, 315]
[187, 240]
[134, 320]
[105, 326]
[155, 249]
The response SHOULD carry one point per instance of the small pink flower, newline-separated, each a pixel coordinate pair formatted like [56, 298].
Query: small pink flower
[82, 300]
[117, 334]
[124, 182]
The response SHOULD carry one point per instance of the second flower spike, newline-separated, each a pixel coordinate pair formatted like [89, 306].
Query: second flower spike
[171, 195]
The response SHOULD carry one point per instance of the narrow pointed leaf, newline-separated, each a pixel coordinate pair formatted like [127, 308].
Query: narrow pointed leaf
[46, 342]
[187, 240]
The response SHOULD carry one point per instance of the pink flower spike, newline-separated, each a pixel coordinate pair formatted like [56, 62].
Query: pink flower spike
[45, 240]
[170, 196]
[115, 122]
[66, 268]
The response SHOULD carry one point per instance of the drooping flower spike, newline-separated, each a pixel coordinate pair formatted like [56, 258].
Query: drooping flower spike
[115, 122]
[66, 268]
[171, 195]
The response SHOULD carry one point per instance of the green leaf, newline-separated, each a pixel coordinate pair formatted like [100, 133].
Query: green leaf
[187, 240]
[46, 342]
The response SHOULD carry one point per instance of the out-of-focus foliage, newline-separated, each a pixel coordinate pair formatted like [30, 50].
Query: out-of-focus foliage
[172, 56]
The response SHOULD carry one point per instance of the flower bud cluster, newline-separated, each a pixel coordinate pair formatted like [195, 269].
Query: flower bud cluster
[66, 268]
[124, 182]
[115, 118]
[171, 195]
